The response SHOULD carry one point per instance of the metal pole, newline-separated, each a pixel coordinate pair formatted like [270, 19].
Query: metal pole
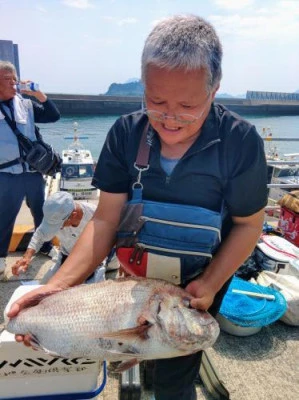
[284, 185]
[270, 162]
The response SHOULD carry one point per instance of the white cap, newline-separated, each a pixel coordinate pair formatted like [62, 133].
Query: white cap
[57, 209]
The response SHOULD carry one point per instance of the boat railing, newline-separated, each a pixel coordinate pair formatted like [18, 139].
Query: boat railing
[284, 185]
[280, 139]
[283, 162]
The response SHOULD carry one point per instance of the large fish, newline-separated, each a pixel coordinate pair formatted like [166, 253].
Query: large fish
[127, 319]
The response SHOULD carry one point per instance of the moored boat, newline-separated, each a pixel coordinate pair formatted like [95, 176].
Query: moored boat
[283, 169]
[77, 169]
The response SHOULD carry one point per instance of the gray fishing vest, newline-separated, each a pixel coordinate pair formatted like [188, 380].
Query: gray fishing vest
[9, 147]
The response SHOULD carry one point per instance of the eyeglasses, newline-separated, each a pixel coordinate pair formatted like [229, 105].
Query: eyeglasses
[184, 119]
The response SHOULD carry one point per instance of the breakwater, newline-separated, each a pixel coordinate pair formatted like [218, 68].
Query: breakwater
[75, 104]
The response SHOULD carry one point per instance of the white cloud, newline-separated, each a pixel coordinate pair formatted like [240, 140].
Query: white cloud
[233, 4]
[82, 4]
[120, 21]
[41, 9]
[126, 21]
[278, 23]
[101, 41]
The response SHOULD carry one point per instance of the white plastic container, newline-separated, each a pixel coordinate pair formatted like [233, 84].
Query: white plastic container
[230, 327]
[26, 372]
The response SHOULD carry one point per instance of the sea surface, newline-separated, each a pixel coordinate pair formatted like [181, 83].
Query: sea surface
[97, 127]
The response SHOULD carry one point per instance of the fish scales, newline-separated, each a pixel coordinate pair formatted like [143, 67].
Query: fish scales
[120, 320]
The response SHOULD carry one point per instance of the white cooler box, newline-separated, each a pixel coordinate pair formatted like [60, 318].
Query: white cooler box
[278, 255]
[27, 372]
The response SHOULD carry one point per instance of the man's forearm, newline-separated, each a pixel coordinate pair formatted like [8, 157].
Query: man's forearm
[236, 249]
[38, 239]
[29, 253]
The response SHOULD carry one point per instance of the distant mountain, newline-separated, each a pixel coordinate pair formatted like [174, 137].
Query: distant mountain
[230, 96]
[134, 88]
[221, 95]
[132, 80]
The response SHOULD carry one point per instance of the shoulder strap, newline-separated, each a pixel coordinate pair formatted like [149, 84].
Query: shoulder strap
[15, 130]
[24, 141]
[18, 160]
[10, 122]
[37, 133]
[143, 150]
[14, 127]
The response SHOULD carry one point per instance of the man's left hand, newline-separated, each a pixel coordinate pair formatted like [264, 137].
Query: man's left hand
[204, 296]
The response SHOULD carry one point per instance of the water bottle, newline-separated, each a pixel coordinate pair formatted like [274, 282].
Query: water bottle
[28, 86]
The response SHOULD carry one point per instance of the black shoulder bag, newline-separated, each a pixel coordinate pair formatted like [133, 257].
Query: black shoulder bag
[39, 155]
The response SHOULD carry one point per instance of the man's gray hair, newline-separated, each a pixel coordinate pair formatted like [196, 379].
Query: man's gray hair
[7, 66]
[184, 41]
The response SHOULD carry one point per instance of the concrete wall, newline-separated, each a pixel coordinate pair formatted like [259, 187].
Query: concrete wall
[71, 104]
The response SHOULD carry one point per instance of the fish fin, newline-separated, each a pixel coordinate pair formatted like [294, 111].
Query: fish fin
[35, 344]
[123, 366]
[138, 332]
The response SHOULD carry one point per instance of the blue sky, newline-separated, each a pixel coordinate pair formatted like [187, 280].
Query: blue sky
[81, 46]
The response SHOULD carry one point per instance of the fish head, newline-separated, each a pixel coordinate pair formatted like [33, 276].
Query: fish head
[187, 329]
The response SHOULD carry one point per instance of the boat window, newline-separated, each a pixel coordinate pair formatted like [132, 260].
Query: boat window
[77, 171]
[286, 172]
[70, 171]
[85, 171]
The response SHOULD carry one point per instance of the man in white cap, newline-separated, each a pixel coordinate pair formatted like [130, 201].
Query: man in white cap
[65, 219]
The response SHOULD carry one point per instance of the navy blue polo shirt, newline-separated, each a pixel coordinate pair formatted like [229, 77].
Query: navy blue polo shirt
[225, 163]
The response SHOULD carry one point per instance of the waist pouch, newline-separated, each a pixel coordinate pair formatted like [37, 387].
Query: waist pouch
[40, 155]
[165, 240]
[43, 158]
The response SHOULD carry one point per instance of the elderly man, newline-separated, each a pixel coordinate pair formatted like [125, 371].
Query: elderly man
[65, 219]
[17, 180]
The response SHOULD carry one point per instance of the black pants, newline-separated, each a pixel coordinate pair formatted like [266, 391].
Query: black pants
[174, 377]
[14, 188]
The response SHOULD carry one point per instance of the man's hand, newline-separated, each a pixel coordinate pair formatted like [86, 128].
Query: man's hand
[204, 295]
[21, 266]
[34, 93]
[28, 300]
[23, 263]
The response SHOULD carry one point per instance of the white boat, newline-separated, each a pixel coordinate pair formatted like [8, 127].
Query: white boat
[283, 169]
[77, 169]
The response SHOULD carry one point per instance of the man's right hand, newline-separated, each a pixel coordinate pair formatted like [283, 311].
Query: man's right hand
[23, 263]
[28, 300]
[21, 266]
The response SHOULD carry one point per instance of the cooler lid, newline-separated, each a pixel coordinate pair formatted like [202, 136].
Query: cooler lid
[278, 248]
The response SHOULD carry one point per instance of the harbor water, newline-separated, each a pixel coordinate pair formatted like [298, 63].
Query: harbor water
[97, 127]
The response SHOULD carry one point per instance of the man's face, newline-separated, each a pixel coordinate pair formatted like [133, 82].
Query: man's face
[8, 82]
[176, 93]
